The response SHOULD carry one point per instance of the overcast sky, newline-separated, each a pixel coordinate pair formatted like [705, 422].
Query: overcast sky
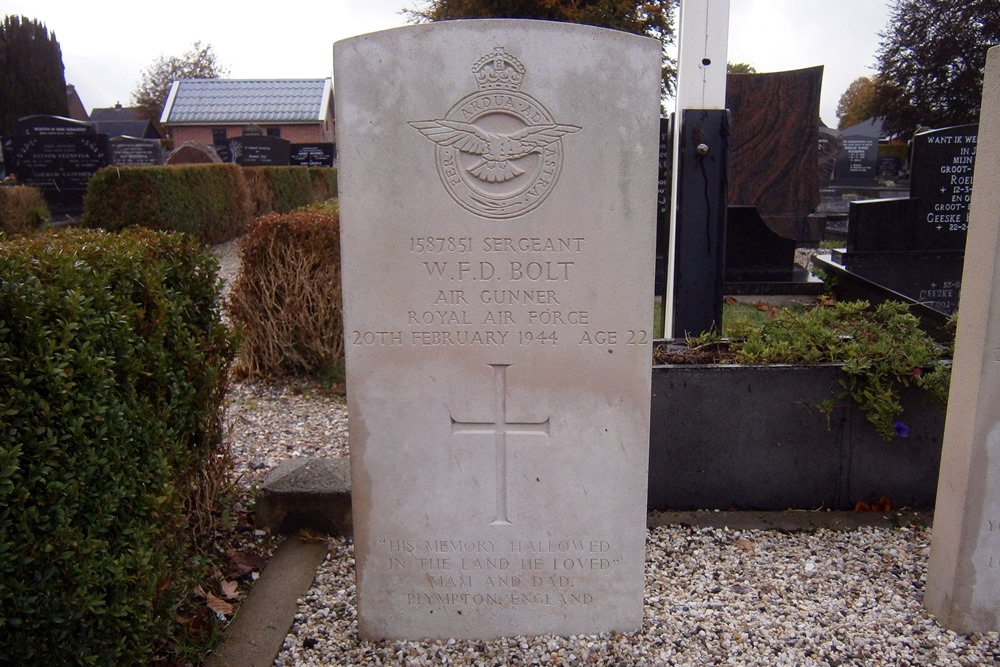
[107, 44]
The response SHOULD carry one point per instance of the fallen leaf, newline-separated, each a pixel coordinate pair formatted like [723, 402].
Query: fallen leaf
[307, 535]
[219, 606]
[228, 590]
[241, 563]
[883, 505]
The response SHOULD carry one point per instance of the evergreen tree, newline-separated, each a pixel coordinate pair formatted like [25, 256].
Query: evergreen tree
[932, 60]
[653, 18]
[31, 72]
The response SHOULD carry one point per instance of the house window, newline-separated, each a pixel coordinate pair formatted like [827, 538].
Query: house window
[219, 135]
[274, 131]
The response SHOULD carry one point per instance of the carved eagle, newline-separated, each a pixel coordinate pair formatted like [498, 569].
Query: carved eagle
[497, 149]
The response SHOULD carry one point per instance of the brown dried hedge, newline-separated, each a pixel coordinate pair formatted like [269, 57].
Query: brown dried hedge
[286, 297]
[22, 209]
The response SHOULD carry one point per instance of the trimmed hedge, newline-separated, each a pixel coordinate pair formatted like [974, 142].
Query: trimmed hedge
[324, 182]
[215, 202]
[211, 201]
[22, 209]
[113, 361]
[278, 189]
[286, 297]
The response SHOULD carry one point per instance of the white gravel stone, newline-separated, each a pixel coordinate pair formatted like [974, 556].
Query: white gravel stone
[713, 596]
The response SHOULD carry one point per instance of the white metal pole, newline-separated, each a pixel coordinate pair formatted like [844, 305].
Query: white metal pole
[702, 45]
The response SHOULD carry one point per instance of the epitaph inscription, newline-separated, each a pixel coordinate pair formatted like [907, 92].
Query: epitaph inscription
[941, 181]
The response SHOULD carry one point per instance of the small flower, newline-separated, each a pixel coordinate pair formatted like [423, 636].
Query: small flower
[901, 429]
[915, 374]
[773, 313]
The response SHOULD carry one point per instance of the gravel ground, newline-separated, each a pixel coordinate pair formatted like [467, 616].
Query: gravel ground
[713, 596]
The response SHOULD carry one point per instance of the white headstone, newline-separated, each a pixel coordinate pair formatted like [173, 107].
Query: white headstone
[963, 577]
[497, 197]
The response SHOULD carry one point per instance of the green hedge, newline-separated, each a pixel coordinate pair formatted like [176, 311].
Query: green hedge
[278, 189]
[324, 183]
[22, 209]
[113, 359]
[215, 202]
[211, 201]
[899, 150]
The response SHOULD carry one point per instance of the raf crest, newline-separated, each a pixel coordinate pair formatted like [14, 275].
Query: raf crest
[499, 151]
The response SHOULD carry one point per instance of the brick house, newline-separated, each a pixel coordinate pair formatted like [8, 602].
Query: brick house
[209, 111]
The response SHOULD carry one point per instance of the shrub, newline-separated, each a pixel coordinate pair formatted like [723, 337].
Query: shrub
[211, 201]
[278, 189]
[324, 182]
[882, 349]
[286, 297]
[113, 359]
[22, 209]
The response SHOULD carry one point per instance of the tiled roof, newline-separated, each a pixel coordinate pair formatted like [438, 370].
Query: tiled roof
[219, 101]
[116, 113]
[127, 128]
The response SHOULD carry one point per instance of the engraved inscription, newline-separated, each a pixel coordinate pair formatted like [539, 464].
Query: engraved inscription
[500, 428]
[517, 295]
[499, 572]
[498, 150]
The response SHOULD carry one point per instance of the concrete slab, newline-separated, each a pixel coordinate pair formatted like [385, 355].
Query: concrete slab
[313, 493]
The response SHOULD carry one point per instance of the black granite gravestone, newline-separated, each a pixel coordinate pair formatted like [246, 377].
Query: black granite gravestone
[59, 155]
[889, 168]
[857, 161]
[912, 248]
[53, 126]
[256, 151]
[663, 200]
[135, 152]
[312, 155]
[941, 182]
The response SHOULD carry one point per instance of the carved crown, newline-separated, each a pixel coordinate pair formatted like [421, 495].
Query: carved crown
[498, 70]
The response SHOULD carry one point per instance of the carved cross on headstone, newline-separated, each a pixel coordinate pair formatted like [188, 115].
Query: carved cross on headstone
[500, 428]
